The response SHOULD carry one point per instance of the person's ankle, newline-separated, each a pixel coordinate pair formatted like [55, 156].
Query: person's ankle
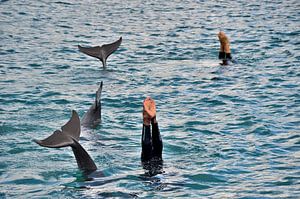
[146, 122]
[153, 120]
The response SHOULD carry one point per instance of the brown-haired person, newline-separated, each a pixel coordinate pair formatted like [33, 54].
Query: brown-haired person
[224, 54]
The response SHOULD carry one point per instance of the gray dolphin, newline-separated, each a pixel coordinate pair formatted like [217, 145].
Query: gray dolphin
[93, 116]
[69, 136]
[101, 52]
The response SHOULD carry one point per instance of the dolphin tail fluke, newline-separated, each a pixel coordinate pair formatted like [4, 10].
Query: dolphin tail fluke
[69, 136]
[65, 137]
[101, 52]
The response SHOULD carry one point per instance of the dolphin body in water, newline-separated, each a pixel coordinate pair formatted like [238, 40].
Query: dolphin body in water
[92, 117]
[69, 136]
[101, 52]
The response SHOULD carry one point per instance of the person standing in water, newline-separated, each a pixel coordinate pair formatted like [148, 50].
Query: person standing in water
[152, 144]
[224, 53]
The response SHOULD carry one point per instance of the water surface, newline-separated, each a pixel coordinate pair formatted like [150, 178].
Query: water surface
[228, 131]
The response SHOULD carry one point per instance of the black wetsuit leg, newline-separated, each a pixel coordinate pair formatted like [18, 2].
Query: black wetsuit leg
[157, 144]
[228, 56]
[146, 143]
[225, 57]
[222, 55]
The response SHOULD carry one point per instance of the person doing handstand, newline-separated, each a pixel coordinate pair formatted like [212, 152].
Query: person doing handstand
[224, 53]
[152, 145]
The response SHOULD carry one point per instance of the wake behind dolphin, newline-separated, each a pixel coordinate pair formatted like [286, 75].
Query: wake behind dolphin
[69, 136]
[101, 52]
[93, 116]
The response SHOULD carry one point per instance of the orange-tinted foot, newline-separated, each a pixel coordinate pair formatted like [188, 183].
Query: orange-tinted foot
[225, 46]
[149, 110]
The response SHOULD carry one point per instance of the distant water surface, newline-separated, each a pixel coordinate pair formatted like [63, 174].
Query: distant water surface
[228, 132]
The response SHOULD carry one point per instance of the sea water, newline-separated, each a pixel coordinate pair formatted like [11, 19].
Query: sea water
[228, 131]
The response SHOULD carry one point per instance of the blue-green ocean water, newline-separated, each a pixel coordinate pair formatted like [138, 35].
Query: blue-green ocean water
[228, 131]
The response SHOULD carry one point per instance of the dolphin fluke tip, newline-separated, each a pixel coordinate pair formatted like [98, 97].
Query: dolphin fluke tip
[39, 142]
[36, 141]
[74, 112]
